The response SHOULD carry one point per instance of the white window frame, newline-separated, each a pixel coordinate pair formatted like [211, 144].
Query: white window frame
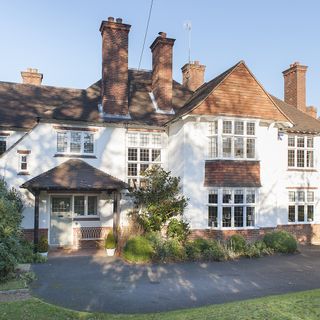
[220, 205]
[219, 136]
[82, 151]
[305, 202]
[21, 162]
[305, 149]
[142, 136]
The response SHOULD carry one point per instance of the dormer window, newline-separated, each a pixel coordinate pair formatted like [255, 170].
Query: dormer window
[75, 142]
[232, 139]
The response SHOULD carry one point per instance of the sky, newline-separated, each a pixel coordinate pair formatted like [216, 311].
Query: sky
[61, 38]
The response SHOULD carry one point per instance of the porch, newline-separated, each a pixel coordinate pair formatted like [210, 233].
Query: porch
[77, 196]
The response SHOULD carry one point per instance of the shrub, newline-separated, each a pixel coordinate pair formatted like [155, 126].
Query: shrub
[214, 251]
[237, 243]
[178, 229]
[193, 251]
[280, 241]
[173, 251]
[9, 251]
[138, 249]
[43, 244]
[110, 242]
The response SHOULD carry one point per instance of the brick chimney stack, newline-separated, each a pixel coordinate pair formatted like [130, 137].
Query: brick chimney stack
[295, 86]
[31, 76]
[161, 49]
[193, 75]
[114, 89]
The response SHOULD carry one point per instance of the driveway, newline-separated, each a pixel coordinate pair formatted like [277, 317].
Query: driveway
[98, 283]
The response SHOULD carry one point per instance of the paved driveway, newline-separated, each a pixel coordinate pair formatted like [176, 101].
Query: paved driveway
[97, 283]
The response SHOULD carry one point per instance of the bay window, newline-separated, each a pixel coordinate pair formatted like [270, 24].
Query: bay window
[231, 139]
[301, 206]
[300, 151]
[231, 207]
[75, 142]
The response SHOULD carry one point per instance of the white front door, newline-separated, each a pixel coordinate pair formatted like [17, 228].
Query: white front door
[61, 221]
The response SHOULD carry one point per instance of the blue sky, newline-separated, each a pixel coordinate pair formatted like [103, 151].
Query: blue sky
[61, 38]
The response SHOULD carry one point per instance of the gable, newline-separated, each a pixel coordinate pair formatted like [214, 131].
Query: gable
[239, 94]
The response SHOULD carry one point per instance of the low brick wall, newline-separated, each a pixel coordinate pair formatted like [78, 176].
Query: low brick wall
[28, 234]
[304, 233]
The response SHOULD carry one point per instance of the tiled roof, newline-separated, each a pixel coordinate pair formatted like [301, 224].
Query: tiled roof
[74, 174]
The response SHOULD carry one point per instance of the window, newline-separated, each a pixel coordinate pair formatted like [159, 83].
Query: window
[85, 205]
[75, 142]
[300, 152]
[301, 206]
[231, 208]
[23, 162]
[144, 150]
[232, 139]
[3, 144]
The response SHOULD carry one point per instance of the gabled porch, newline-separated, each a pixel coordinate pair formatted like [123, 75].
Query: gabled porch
[83, 203]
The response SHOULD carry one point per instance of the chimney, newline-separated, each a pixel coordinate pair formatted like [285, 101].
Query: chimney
[162, 71]
[295, 86]
[193, 75]
[114, 88]
[312, 111]
[31, 76]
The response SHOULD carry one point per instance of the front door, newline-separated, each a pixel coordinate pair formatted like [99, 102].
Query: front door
[61, 221]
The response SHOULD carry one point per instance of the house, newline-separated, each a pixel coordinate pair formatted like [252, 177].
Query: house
[248, 161]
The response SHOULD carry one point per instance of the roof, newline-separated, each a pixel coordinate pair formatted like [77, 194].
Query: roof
[74, 174]
[229, 173]
[302, 122]
[21, 104]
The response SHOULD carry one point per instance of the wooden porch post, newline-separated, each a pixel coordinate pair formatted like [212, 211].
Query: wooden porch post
[116, 213]
[36, 220]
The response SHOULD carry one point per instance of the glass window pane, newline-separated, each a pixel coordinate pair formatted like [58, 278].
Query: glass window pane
[238, 217]
[227, 127]
[156, 155]
[213, 216]
[300, 196]
[291, 158]
[292, 214]
[238, 147]
[88, 144]
[213, 147]
[132, 169]
[75, 143]
[226, 147]
[226, 196]
[156, 140]
[62, 141]
[310, 142]
[144, 139]
[250, 216]
[133, 154]
[144, 154]
[238, 127]
[251, 148]
[238, 196]
[213, 197]
[300, 158]
[300, 213]
[310, 159]
[292, 197]
[291, 141]
[78, 205]
[92, 205]
[213, 128]
[310, 196]
[132, 139]
[300, 142]
[143, 167]
[310, 213]
[251, 128]
[61, 204]
[250, 196]
[226, 217]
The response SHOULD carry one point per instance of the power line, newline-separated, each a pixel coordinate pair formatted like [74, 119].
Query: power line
[145, 35]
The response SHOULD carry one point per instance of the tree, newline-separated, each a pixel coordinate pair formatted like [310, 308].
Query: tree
[160, 201]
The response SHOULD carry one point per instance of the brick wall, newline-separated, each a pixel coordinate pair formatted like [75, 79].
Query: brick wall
[28, 234]
[193, 75]
[304, 233]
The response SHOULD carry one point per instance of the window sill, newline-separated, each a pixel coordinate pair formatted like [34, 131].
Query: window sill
[23, 173]
[302, 169]
[302, 222]
[86, 218]
[232, 228]
[231, 159]
[83, 156]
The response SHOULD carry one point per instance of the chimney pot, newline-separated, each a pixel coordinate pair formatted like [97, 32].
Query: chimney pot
[111, 19]
[119, 20]
[193, 75]
[32, 76]
[162, 34]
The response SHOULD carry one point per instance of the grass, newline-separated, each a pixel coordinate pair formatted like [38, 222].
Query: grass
[13, 284]
[295, 306]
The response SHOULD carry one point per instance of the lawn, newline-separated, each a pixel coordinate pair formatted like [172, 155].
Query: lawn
[13, 284]
[301, 305]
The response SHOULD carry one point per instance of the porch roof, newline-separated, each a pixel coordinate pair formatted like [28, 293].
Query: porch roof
[74, 175]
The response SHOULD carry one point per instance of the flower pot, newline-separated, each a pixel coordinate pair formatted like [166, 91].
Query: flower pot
[110, 252]
[44, 254]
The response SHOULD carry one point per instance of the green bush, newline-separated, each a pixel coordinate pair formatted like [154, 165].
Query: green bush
[9, 253]
[202, 249]
[193, 251]
[138, 249]
[178, 229]
[43, 244]
[237, 243]
[280, 241]
[214, 251]
[110, 242]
